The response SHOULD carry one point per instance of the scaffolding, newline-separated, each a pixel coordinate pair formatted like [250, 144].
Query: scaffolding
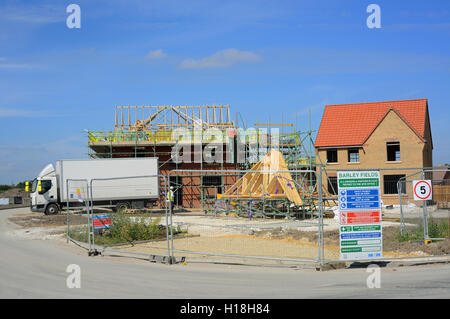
[153, 131]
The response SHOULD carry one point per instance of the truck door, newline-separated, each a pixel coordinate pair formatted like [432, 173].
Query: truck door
[49, 191]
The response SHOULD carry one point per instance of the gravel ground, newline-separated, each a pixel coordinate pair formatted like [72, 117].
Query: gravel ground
[293, 239]
[41, 220]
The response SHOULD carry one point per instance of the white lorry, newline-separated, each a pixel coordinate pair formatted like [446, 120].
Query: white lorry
[116, 183]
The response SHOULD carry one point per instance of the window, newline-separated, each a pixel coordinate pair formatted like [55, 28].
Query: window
[390, 184]
[353, 155]
[332, 185]
[45, 185]
[332, 155]
[213, 181]
[140, 152]
[393, 151]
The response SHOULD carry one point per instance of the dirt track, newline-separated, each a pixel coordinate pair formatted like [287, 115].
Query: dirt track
[291, 244]
[390, 244]
[40, 220]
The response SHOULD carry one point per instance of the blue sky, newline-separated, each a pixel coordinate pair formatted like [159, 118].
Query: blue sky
[260, 57]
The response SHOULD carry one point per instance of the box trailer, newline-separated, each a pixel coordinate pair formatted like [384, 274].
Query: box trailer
[113, 183]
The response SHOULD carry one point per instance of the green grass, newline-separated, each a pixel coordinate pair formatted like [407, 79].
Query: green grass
[437, 228]
[124, 229]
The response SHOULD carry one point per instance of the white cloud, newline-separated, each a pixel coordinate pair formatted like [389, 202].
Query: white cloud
[16, 66]
[41, 14]
[221, 59]
[4, 112]
[15, 112]
[156, 54]
[5, 64]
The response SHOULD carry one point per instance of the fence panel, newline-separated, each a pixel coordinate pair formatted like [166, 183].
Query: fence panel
[130, 231]
[432, 214]
[258, 215]
[248, 214]
[405, 222]
[129, 226]
[78, 208]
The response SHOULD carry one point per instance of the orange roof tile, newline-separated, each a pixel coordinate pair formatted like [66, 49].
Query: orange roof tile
[351, 124]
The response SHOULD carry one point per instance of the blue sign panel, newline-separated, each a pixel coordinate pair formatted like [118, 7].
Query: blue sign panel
[359, 198]
[362, 192]
[374, 198]
[361, 235]
[360, 205]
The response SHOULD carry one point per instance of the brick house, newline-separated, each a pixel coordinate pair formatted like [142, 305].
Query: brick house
[375, 135]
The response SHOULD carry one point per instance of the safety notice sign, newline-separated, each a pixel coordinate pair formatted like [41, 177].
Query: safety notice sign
[423, 190]
[101, 221]
[360, 230]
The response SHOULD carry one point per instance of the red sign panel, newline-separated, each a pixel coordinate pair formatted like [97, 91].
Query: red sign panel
[101, 221]
[360, 217]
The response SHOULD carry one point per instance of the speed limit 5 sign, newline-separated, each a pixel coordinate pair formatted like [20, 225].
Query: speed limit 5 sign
[422, 190]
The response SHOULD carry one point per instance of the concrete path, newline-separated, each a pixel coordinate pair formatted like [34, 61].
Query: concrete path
[37, 269]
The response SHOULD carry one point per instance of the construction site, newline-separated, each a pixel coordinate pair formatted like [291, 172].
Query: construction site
[216, 162]
[269, 190]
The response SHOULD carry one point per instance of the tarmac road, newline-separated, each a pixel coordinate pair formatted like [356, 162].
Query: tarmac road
[37, 269]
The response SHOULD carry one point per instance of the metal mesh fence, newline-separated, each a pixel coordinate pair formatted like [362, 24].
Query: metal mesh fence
[128, 223]
[258, 215]
[425, 216]
[78, 212]
[265, 215]
[405, 224]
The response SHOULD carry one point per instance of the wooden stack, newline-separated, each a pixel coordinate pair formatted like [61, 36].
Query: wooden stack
[269, 179]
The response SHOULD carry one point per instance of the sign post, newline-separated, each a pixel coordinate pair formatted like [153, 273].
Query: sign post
[423, 190]
[360, 230]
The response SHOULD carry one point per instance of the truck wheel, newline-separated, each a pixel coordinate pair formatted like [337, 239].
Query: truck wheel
[122, 206]
[52, 209]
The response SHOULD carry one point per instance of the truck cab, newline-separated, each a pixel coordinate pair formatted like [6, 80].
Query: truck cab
[44, 192]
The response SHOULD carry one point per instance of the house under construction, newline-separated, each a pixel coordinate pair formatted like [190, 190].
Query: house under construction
[205, 152]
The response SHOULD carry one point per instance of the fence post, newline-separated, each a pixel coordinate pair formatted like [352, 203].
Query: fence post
[67, 209]
[250, 203]
[90, 203]
[169, 207]
[169, 254]
[402, 220]
[320, 229]
[425, 218]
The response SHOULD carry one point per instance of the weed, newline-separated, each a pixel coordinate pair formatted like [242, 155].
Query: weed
[125, 229]
[437, 228]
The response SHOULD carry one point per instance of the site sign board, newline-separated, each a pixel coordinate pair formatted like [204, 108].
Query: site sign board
[360, 230]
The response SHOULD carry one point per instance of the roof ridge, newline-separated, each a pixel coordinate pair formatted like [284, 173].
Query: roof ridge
[408, 100]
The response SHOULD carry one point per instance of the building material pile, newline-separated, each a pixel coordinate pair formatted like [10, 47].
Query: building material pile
[268, 179]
